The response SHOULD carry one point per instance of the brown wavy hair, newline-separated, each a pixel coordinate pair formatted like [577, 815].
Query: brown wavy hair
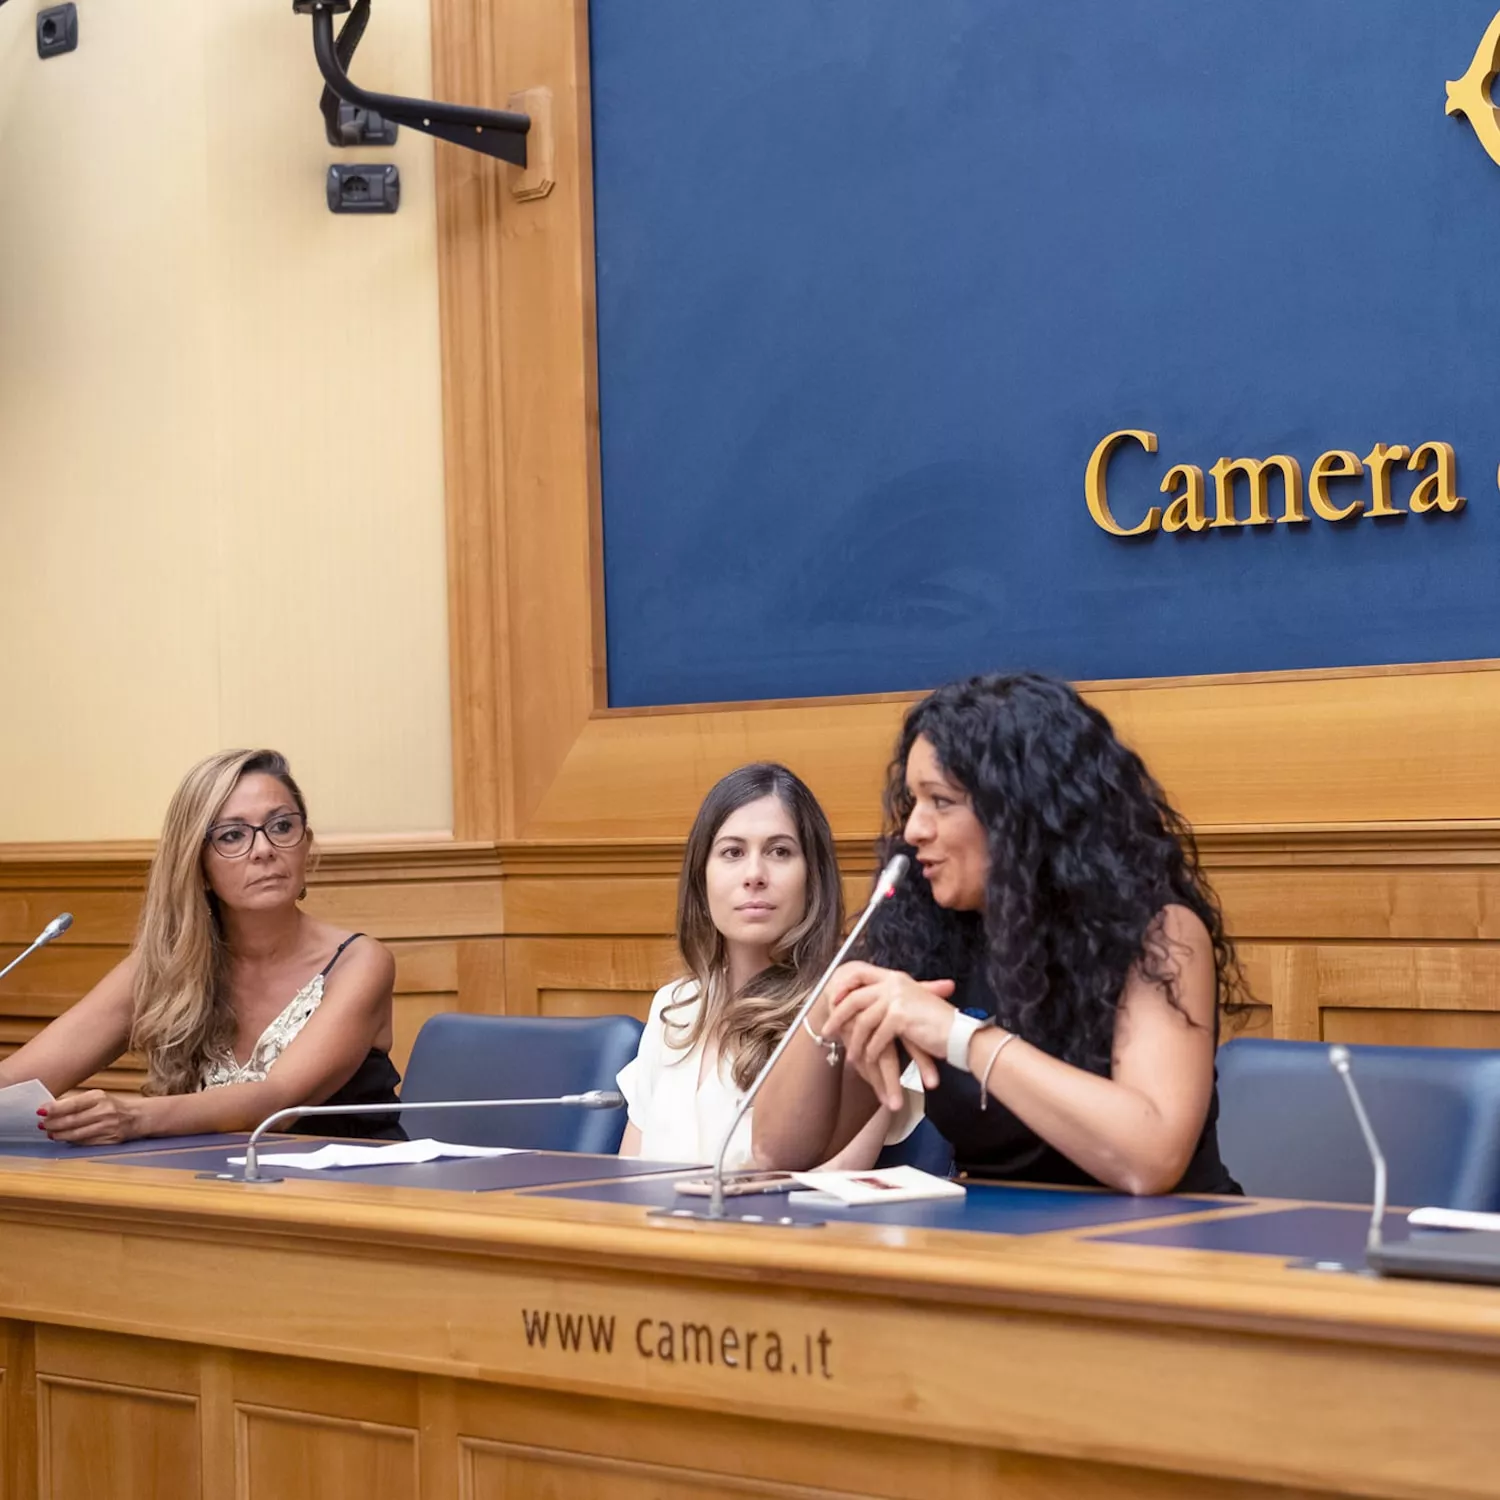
[748, 1024]
[182, 1015]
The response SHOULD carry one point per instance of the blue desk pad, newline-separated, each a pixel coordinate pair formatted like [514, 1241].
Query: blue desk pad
[987, 1209]
[472, 1174]
[61, 1151]
[1313, 1234]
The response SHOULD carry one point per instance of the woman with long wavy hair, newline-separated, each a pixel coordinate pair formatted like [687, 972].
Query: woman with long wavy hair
[759, 917]
[240, 1003]
[1054, 966]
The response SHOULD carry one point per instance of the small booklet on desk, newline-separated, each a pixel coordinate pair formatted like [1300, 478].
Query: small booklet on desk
[877, 1185]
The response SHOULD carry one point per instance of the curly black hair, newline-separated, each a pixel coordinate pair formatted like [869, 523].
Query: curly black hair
[1084, 852]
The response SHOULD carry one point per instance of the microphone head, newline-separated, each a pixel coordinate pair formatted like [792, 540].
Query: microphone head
[602, 1099]
[892, 876]
[56, 927]
[1338, 1057]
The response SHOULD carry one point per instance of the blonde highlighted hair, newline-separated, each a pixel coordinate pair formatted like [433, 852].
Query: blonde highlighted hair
[747, 1025]
[182, 1015]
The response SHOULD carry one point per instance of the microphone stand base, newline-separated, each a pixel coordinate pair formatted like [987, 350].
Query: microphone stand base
[1332, 1267]
[760, 1221]
[236, 1177]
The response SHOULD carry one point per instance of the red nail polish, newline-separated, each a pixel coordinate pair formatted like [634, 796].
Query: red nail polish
[40, 1126]
[42, 1112]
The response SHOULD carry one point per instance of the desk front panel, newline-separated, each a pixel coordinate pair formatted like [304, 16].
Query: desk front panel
[177, 1337]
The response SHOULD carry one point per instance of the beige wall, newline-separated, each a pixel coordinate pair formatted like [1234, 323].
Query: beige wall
[221, 505]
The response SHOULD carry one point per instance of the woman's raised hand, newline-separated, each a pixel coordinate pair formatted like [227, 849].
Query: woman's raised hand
[870, 1008]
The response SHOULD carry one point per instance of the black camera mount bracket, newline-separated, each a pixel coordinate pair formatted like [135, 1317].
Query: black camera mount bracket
[495, 132]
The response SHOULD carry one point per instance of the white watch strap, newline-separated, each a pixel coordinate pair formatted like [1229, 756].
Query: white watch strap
[959, 1037]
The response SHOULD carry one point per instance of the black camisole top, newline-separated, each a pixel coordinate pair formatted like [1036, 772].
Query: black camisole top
[375, 1081]
[992, 1143]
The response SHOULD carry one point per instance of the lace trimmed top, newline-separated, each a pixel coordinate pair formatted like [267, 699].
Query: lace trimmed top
[274, 1040]
[374, 1082]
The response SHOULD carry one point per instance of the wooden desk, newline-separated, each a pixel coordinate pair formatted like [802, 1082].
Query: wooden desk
[168, 1338]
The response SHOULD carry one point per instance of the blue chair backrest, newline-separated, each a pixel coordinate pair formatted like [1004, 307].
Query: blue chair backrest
[519, 1057]
[1287, 1130]
[926, 1147]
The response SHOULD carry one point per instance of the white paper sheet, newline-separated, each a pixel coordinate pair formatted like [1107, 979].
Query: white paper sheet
[393, 1154]
[1452, 1218]
[18, 1106]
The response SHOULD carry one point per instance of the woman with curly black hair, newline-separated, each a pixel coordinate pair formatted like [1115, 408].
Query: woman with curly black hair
[1053, 967]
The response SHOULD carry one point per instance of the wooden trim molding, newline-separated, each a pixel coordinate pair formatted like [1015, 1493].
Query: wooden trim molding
[89, 865]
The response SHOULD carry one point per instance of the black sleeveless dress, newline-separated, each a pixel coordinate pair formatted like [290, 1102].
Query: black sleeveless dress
[993, 1144]
[375, 1081]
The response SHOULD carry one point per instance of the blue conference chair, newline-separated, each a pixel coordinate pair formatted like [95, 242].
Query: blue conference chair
[1286, 1128]
[925, 1148]
[460, 1056]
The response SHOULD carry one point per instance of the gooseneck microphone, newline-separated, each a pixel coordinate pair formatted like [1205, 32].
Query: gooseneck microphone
[1338, 1057]
[890, 878]
[593, 1099]
[54, 929]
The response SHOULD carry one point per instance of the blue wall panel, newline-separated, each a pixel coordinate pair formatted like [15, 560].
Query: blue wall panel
[875, 277]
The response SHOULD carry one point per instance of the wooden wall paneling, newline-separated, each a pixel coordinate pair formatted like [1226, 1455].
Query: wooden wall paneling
[428, 909]
[1355, 900]
[303, 1430]
[481, 977]
[18, 1466]
[469, 189]
[217, 1447]
[551, 410]
[1304, 748]
[115, 1417]
[1416, 1027]
[592, 905]
[1282, 977]
[533, 1444]
[521, 417]
[426, 985]
[1397, 994]
[98, 916]
[586, 976]
[1374, 934]
[1413, 977]
[437, 1407]
[295, 1455]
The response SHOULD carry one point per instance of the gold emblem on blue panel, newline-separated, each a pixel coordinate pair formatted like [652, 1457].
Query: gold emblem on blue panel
[1470, 97]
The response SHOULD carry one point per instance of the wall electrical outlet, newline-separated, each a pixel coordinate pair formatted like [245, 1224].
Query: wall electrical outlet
[57, 30]
[354, 188]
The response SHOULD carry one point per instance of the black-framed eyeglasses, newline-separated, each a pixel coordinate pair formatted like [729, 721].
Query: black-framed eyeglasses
[235, 840]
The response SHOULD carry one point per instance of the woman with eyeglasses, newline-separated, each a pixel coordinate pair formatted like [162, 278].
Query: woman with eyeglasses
[239, 1002]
